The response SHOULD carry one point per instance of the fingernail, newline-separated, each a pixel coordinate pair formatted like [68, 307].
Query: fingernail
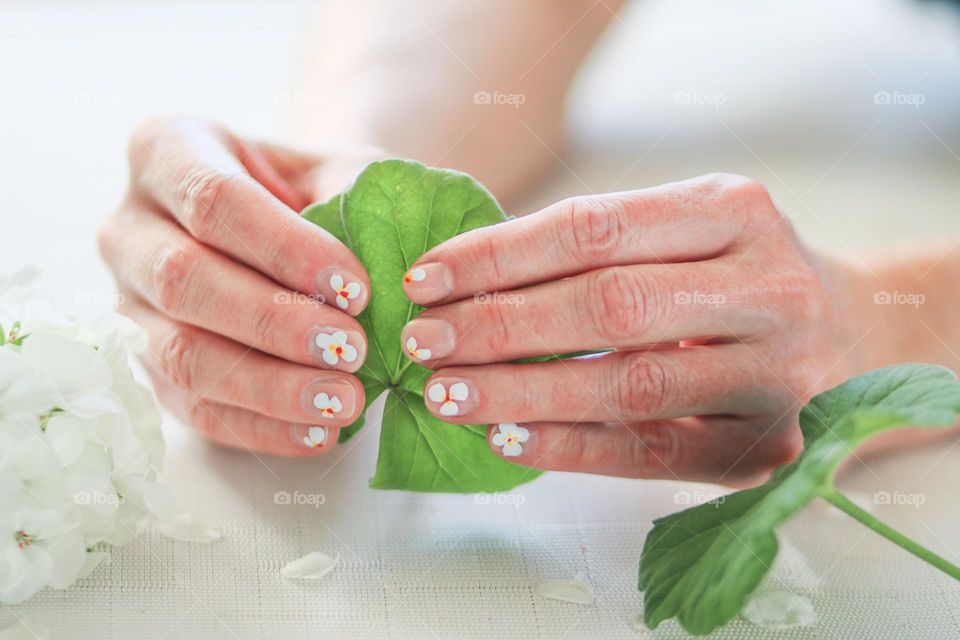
[342, 289]
[337, 348]
[428, 282]
[509, 438]
[428, 339]
[327, 400]
[312, 437]
[450, 397]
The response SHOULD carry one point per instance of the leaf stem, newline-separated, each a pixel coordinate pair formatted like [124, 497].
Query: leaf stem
[843, 503]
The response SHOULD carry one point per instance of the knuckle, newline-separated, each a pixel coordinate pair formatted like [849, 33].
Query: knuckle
[642, 388]
[623, 304]
[266, 323]
[590, 227]
[198, 195]
[653, 448]
[178, 357]
[497, 333]
[172, 278]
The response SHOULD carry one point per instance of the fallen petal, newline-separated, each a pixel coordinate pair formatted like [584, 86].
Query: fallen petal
[312, 566]
[578, 590]
[777, 609]
[186, 528]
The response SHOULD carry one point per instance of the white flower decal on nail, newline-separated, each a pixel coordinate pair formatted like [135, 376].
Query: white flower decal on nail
[334, 347]
[447, 399]
[345, 292]
[417, 352]
[328, 405]
[510, 437]
[315, 437]
[415, 275]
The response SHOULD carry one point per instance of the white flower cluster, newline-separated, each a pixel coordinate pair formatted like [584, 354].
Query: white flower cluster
[80, 443]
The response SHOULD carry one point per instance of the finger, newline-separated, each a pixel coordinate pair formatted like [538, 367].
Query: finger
[724, 450]
[193, 172]
[617, 307]
[647, 385]
[692, 220]
[198, 286]
[239, 428]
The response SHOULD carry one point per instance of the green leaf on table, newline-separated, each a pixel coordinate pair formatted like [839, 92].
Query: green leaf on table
[701, 565]
[394, 212]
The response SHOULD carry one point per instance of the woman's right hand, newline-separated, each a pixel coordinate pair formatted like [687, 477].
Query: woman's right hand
[249, 308]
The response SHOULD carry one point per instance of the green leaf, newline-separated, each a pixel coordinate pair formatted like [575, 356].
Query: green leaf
[700, 565]
[394, 212]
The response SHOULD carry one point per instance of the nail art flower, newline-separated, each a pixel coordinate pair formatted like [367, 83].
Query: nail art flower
[417, 352]
[510, 437]
[448, 398]
[415, 275]
[334, 347]
[315, 437]
[328, 405]
[345, 292]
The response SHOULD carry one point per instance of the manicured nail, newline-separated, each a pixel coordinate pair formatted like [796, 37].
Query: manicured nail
[428, 282]
[509, 438]
[338, 348]
[329, 400]
[314, 438]
[343, 289]
[451, 397]
[428, 339]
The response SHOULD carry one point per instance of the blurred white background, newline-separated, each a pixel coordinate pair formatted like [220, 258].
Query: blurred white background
[782, 91]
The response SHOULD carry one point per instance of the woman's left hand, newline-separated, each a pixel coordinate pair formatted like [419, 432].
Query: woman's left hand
[721, 324]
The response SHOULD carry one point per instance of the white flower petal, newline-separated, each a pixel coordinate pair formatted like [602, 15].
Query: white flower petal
[436, 392]
[342, 302]
[349, 353]
[336, 405]
[499, 439]
[336, 281]
[512, 450]
[459, 391]
[411, 343]
[339, 337]
[449, 408]
[329, 357]
[423, 354]
[353, 290]
[418, 274]
[321, 401]
[578, 590]
[312, 566]
[186, 528]
[521, 434]
[317, 435]
[777, 610]
[323, 340]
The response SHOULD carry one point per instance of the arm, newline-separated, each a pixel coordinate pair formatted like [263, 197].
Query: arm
[404, 76]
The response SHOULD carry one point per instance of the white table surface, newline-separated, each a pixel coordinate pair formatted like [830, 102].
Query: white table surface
[798, 113]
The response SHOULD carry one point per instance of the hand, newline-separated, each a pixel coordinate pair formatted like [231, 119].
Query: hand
[249, 308]
[720, 324]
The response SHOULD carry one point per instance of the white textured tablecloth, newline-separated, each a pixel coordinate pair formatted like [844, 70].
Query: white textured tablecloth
[850, 174]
